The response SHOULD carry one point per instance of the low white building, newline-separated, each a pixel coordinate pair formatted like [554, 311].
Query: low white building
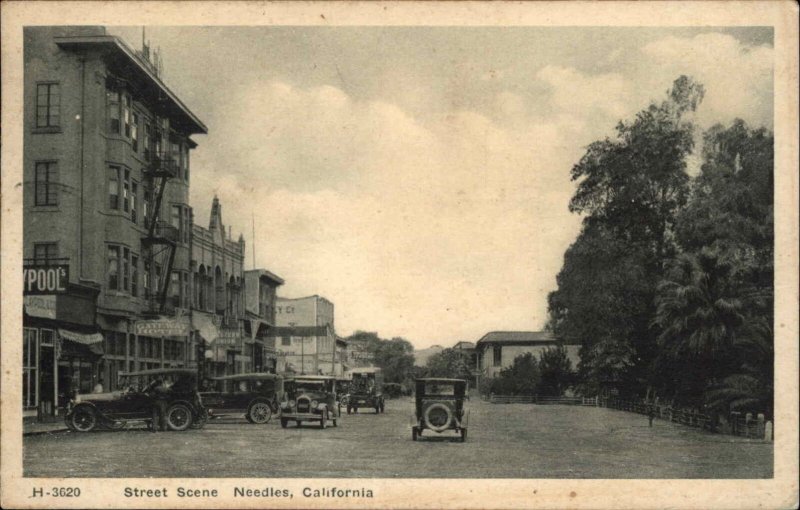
[496, 350]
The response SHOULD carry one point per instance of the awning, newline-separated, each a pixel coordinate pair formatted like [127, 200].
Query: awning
[94, 341]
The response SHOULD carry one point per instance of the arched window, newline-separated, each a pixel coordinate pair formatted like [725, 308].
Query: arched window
[219, 286]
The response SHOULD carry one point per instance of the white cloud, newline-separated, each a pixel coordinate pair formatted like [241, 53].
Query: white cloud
[442, 226]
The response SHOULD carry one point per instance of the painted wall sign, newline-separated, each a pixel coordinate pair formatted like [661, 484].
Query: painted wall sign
[40, 306]
[162, 327]
[50, 279]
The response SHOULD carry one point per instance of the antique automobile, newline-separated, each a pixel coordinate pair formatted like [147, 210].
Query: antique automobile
[310, 398]
[366, 390]
[255, 395]
[137, 400]
[440, 407]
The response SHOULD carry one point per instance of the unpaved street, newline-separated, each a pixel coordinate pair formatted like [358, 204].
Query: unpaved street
[505, 441]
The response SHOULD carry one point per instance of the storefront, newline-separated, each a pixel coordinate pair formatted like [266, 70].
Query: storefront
[61, 348]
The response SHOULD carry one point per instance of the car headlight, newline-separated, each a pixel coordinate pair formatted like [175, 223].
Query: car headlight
[284, 405]
[77, 398]
[291, 404]
[314, 404]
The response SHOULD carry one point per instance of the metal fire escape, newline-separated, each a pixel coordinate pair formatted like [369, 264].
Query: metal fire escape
[159, 170]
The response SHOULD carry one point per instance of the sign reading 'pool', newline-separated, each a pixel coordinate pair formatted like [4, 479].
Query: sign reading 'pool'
[51, 279]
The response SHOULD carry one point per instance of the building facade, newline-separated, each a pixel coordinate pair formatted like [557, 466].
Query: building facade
[218, 298]
[106, 187]
[496, 350]
[306, 311]
[261, 287]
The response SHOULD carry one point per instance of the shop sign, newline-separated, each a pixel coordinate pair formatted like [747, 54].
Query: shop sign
[161, 327]
[50, 279]
[40, 306]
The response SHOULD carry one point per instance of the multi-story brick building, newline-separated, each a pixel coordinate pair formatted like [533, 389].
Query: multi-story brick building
[106, 187]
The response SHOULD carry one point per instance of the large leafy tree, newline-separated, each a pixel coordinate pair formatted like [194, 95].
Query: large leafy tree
[521, 378]
[629, 190]
[452, 363]
[556, 372]
[394, 356]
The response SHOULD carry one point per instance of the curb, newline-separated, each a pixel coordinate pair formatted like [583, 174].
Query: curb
[42, 432]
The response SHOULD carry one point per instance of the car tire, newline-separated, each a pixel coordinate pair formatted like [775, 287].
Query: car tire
[179, 417]
[414, 434]
[84, 419]
[201, 420]
[284, 423]
[383, 406]
[447, 422]
[463, 435]
[259, 413]
[68, 422]
[349, 409]
[323, 422]
[335, 423]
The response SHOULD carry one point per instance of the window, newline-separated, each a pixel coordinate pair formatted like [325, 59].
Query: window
[156, 277]
[126, 268]
[126, 191]
[112, 105]
[175, 288]
[46, 179]
[135, 133]
[134, 275]
[498, 355]
[113, 267]
[146, 280]
[48, 105]
[177, 221]
[187, 224]
[287, 340]
[44, 252]
[175, 157]
[126, 115]
[113, 187]
[134, 192]
[185, 290]
[185, 160]
[147, 200]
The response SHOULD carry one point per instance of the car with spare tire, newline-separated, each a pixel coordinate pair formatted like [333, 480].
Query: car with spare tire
[439, 407]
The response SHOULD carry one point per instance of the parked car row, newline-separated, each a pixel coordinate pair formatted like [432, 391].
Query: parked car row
[174, 399]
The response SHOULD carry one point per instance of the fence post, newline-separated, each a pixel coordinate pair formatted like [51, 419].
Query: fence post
[760, 431]
[768, 431]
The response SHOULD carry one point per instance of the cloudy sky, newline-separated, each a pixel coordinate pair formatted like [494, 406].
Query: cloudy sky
[419, 177]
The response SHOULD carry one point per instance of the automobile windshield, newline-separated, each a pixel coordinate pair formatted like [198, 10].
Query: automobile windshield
[440, 389]
[309, 386]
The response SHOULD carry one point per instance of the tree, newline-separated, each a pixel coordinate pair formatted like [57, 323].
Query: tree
[521, 378]
[451, 363]
[556, 371]
[394, 357]
[630, 190]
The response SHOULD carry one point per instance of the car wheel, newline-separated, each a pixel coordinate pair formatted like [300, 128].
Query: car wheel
[84, 419]
[284, 423]
[260, 413]
[463, 435]
[202, 419]
[349, 409]
[438, 417]
[179, 417]
[414, 434]
[323, 422]
[68, 422]
[334, 423]
[383, 406]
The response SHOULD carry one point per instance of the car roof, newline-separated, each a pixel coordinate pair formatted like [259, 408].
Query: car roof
[243, 377]
[161, 371]
[440, 379]
[313, 377]
[364, 370]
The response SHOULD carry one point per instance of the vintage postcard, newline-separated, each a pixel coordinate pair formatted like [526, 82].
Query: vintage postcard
[399, 255]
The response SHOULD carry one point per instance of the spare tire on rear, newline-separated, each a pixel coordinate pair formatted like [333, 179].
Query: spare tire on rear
[438, 417]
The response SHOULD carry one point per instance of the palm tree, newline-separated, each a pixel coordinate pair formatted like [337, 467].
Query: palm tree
[699, 315]
[751, 387]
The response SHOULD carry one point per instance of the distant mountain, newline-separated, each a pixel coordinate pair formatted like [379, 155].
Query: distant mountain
[421, 355]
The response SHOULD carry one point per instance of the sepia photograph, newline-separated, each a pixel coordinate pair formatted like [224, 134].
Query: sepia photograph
[307, 258]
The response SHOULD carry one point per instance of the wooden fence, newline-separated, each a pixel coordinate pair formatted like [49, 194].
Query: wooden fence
[542, 400]
[736, 424]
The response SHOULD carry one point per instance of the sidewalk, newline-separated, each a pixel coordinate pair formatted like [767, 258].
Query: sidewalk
[31, 427]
